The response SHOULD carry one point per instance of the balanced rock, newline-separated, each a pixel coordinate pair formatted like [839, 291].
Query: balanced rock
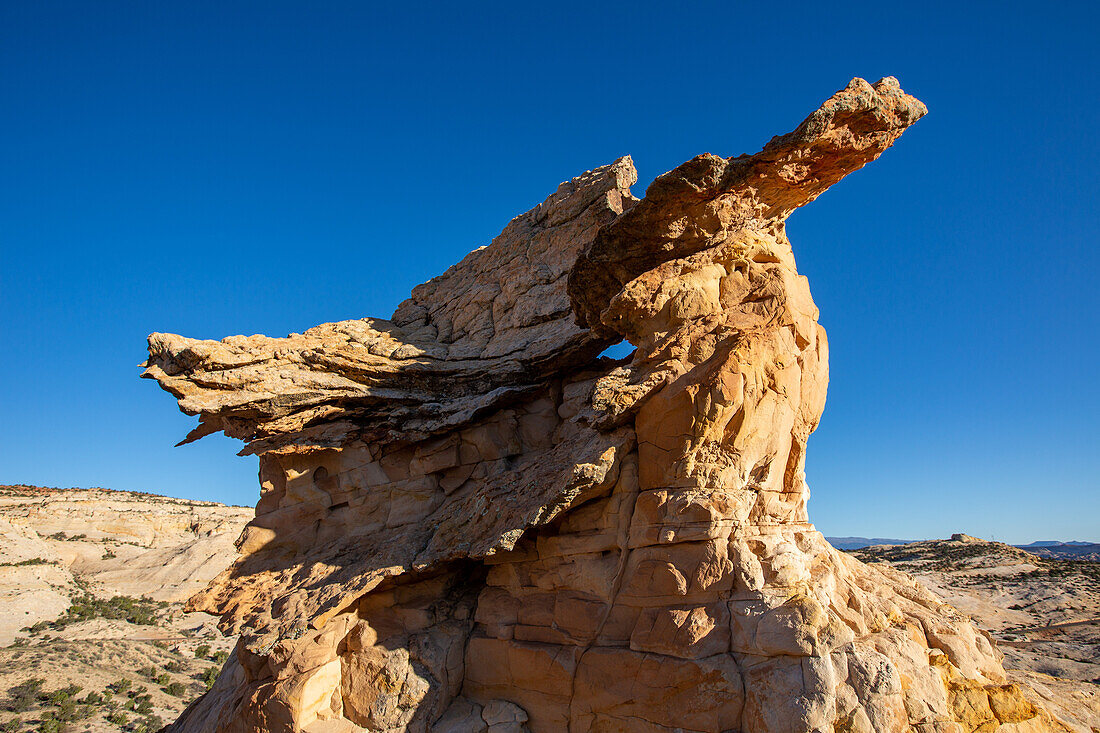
[470, 521]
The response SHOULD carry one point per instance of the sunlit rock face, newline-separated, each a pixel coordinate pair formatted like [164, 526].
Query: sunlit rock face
[469, 521]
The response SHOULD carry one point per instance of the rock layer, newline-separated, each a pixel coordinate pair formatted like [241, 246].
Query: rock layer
[471, 522]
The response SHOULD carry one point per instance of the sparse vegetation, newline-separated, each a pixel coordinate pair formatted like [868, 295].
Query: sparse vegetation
[59, 708]
[120, 686]
[29, 561]
[209, 675]
[176, 689]
[23, 696]
[60, 652]
[202, 651]
[86, 607]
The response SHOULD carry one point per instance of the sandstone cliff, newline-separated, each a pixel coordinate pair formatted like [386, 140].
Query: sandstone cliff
[470, 522]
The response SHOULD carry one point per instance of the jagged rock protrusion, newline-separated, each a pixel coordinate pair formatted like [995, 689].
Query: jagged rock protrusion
[469, 522]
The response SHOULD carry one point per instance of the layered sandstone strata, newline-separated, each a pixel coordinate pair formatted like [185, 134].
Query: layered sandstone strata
[470, 521]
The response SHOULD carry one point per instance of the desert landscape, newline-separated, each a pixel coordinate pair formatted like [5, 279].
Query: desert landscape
[473, 520]
[519, 368]
[95, 642]
[93, 630]
[1044, 613]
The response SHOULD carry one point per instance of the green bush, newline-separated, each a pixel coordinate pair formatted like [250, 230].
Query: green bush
[50, 725]
[118, 718]
[149, 724]
[209, 675]
[176, 689]
[65, 694]
[31, 561]
[23, 696]
[201, 651]
[92, 698]
[119, 687]
[86, 607]
[220, 657]
[66, 710]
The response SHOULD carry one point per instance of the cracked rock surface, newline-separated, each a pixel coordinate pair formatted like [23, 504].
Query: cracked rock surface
[469, 521]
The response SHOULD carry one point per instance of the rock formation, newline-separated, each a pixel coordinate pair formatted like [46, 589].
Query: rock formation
[469, 521]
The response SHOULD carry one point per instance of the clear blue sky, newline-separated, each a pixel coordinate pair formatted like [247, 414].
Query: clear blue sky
[214, 168]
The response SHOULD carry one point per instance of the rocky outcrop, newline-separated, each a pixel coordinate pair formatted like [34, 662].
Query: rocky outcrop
[469, 521]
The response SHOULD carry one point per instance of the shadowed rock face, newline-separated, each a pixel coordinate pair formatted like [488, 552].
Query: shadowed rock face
[470, 522]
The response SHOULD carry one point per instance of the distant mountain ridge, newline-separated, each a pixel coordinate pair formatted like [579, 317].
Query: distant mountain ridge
[1074, 549]
[1065, 550]
[858, 543]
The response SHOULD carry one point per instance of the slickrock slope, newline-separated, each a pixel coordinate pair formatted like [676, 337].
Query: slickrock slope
[1043, 612]
[469, 522]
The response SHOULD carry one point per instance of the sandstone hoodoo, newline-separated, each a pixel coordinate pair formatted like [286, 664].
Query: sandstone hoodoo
[470, 521]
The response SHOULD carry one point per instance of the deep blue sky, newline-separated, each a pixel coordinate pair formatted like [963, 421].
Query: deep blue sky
[213, 168]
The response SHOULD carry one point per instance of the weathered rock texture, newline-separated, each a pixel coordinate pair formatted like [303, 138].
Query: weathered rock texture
[470, 522]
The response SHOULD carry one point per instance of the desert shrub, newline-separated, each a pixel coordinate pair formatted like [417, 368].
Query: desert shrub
[36, 628]
[66, 710]
[149, 724]
[120, 687]
[209, 675]
[220, 657]
[176, 666]
[86, 607]
[201, 651]
[162, 679]
[29, 561]
[148, 672]
[12, 726]
[65, 694]
[118, 718]
[50, 725]
[92, 698]
[176, 689]
[108, 554]
[23, 696]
